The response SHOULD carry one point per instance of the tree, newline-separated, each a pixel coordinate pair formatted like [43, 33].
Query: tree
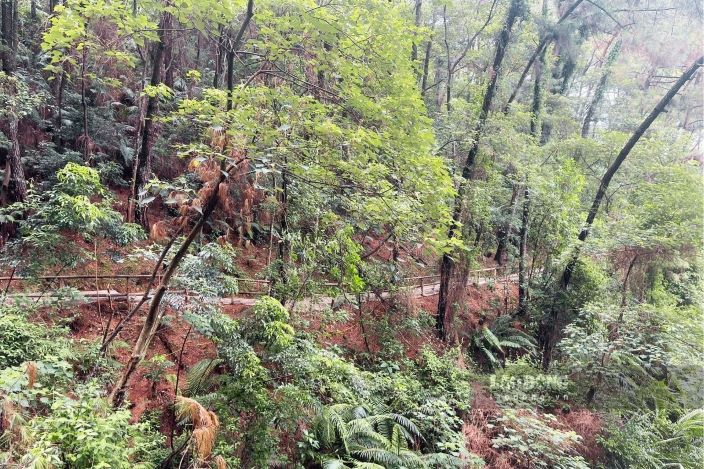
[448, 263]
[551, 329]
[9, 21]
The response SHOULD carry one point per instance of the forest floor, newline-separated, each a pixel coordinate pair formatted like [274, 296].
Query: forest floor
[353, 329]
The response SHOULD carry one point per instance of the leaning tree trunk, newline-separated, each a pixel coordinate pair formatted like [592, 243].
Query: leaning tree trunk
[551, 330]
[153, 317]
[447, 264]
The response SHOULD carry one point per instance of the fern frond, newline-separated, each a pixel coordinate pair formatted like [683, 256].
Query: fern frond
[407, 425]
[198, 377]
[379, 456]
[492, 339]
[398, 439]
[335, 464]
[367, 465]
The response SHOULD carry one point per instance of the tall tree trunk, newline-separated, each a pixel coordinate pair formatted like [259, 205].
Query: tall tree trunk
[84, 106]
[523, 287]
[233, 45]
[218, 58]
[14, 184]
[535, 130]
[542, 45]
[506, 228]
[60, 84]
[143, 161]
[551, 329]
[600, 88]
[230, 76]
[283, 224]
[417, 14]
[448, 82]
[8, 32]
[426, 68]
[624, 288]
[169, 66]
[447, 264]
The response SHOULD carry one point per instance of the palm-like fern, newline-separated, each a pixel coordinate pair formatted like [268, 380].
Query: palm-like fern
[200, 377]
[354, 436]
[493, 342]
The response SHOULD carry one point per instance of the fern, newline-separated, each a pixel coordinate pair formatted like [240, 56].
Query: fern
[366, 438]
[494, 340]
[199, 377]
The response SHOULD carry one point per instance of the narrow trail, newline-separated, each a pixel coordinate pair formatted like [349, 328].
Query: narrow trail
[307, 304]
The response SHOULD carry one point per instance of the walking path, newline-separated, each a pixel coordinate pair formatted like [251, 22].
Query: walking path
[417, 286]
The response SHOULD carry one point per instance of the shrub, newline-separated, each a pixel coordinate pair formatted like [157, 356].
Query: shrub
[111, 174]
[521, 384]
[441, 427]
[22, 340]
[532, 440]
[211, 273]
[124, 233]
[653, 440]
[444, 378]
[83, 432]
[269, 324]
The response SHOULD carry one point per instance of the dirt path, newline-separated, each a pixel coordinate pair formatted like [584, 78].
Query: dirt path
[307, 304]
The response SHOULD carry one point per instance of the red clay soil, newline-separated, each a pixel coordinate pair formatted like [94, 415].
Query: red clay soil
[87, 324]
[360, 333]
[589, 426]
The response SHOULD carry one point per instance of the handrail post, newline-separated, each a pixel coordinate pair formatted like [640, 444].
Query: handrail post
[422, 290]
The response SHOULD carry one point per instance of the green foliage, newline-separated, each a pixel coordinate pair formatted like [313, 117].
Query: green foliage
[354, 119]
[445, 378]
[618, 353]
[495, 342]
[69, 205]
[17, 100]
[355, 434]
[269, 324]
[111, 174]
[45, 162]
[535, 440]
[441, 427]
[199, 378]
[212, 272]
[521, 384]
[654, 440]
[22, 340]
[155, 368]
[83, 432]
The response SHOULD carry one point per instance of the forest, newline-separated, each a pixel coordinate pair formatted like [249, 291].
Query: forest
[328, 234]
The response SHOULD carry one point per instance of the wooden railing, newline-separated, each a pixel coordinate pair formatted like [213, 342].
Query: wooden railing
[132, 285]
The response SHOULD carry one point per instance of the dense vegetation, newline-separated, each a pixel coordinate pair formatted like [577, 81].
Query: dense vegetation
[319, 157]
